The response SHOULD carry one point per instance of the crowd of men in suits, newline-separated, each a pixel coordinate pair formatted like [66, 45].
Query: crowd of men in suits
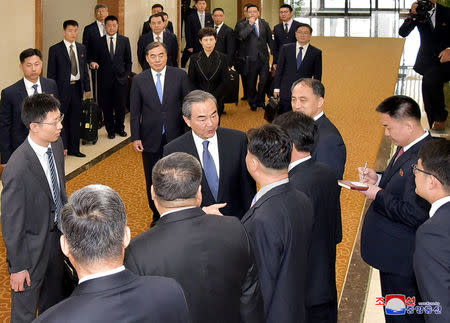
[223, 250]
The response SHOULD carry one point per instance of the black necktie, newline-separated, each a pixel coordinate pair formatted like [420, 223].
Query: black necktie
[286, 30]
[35, 86]
[299, 57]
[111, 47]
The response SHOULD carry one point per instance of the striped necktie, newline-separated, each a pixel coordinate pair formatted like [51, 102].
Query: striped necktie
[55, 186]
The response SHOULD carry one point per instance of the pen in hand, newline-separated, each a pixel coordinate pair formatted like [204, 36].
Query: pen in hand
[364, 171]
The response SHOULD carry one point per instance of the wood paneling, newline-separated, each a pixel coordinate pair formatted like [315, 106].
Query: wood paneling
[116, 8]
[38, 25]
[241, 3]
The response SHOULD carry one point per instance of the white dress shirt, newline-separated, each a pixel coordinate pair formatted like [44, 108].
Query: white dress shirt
[289, 23]
[162, 77]
[161, 39]
[202, 18]
[108, 40]
[101, 28]
[317, 117]
[267, 188]
[213, 148]
[29, 86]
[298, 162]
[102, 274]
[218, 27]
[74, 48]
[176, 210]
[297, 49]
[437, 204]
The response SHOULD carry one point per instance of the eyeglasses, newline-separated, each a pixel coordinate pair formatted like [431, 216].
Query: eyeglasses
[54, 123]
[416, 169]
[303, 32]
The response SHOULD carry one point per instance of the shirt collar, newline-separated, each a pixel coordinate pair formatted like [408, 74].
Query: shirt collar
[163, 72]
[113, 36]
[289, 22]
[29, 84]
[160, 35]
[268, 187]
[405, 148]
[318, 116]
[179, 209]
[437, 204]
[305, 47]
[68, 44]
[298, 162]
[102, 274]
[199, 141]
[219, 26]
[38, 149]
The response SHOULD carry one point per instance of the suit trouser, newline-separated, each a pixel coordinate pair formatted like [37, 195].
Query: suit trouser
[43, 292]
[406, 285]
[112, 100]
[323, 313]
[433, 92]
[256, 89]
[149, 159]
[71, 107]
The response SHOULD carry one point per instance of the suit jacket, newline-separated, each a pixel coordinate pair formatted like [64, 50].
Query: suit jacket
[236, 186]
[28, 214]
[171, 42]
[330, 147]
[432, 39]
[122, 297]
[192, 28]
[281, 38]
[215, 83]
[146, 27]
[394, 216]
[251, 46]
[432, 262]
[287, 72]
[210, 257]
[226, 43]
[90, 36]
[279, 225]
[117, 69]
[12, 131]
[318, 182]
[148, 115]
[59, 69]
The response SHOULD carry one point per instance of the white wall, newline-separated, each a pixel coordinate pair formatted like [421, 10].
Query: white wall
[56, 12]
[17, 33]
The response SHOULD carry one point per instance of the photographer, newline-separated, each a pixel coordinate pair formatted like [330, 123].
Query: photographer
[433, 59]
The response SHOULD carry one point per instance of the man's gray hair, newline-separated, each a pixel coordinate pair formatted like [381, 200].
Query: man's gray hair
[196, 96]
[93, 223]
[100, 6]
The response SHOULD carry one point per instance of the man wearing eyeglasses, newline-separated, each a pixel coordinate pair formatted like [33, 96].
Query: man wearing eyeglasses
[387, 237]
[34, 191]
[432, 252]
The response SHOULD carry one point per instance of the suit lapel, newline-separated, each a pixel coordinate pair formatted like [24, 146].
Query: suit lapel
[59, 160]
[63, 48]
[23, 91]
[222, 146]
[152, 87]
[36, 169]
[166, 86]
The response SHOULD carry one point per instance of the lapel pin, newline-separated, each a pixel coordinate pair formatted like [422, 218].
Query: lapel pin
[401, 172]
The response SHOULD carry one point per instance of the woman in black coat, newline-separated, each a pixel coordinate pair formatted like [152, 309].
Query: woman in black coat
[208, 69]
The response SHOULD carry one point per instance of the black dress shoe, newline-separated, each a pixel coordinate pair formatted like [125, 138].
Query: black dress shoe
[122, 133]
[78, 154]
[111, 136]
[253, 108]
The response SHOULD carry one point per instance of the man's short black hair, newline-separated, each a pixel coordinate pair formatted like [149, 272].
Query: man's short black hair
[271, 145]
[36, 107]
[302, 24]
[176, 177]
[315, 85]
[206, 32]
[400, 107]
[70, 22]
[286, 6]
[93, 223]
[28, 53]
[251, 5]
[154, 44]
[157, 5]
[435, 156]
[301, 129]
[159, 14]
[218, 9]
[111, 18]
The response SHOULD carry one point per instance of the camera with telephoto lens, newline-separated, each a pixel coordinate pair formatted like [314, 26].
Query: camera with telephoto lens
[423, 10]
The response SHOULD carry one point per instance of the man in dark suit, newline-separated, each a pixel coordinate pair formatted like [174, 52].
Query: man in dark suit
[396, 211]
[97, 29]
[194, 22]
[432, 249]
[318, 182]
[239, 61]
[155, 117]
[221, 152]
[95, 235]
[225, 42]
[308, 98]
[284, 32]
[157, 8]
[296, 60]
[254, 35]
[112, 57]
[279, 224]
[433, 58]
[209, 255]
[67, 65]
[12, 130]
[34, 191]
[158, 34]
